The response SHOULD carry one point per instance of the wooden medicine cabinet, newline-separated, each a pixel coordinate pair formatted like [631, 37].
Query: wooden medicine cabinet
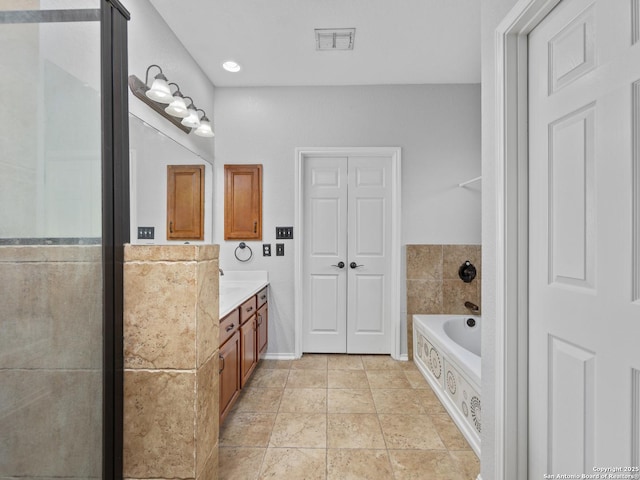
[185, 202]
[243, 202]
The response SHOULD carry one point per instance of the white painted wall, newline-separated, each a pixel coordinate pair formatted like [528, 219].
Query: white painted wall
[437, 127]
[151, 41]
[492, 13]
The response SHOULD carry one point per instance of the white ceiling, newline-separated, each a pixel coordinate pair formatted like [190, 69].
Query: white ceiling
[396, 41]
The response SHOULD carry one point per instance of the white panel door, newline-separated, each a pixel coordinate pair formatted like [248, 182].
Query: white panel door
[584, 313]
[325, 255]
[369, 258]
[347, 257]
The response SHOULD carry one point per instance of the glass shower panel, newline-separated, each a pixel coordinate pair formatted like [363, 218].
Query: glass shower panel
[51, 291]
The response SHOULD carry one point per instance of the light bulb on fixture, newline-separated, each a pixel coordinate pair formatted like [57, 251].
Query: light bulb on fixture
[192, 120]
[177, 107]
[204, 130]
[159, 91]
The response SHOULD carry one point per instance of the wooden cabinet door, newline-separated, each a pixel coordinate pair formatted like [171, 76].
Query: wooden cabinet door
[229, 358]
[185, 202]
[248, 352]
[243, 202]
[262, 324]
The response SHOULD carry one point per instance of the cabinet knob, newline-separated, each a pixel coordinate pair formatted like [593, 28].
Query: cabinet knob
[230, 327]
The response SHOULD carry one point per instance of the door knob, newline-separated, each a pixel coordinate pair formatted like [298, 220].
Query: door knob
[355, 265]
[339, 265]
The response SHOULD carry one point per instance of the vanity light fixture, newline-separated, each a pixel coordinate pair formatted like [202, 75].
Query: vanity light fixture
[171, 105]
[231, 66]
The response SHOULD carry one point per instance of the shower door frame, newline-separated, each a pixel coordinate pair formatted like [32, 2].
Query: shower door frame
[113, 18]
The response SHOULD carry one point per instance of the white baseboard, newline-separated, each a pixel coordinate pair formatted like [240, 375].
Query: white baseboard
[479, 477]
[404, 357]
[279, 356]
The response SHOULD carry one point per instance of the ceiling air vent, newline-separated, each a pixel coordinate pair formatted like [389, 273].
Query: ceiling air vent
[335, 38]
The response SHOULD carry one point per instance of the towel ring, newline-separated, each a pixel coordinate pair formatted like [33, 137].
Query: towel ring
[241, 247]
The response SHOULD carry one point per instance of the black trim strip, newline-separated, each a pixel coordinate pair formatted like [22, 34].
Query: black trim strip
[49, 16]
[115, 205]
[121, 8]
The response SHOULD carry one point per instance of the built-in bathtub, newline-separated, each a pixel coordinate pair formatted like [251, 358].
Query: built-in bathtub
[446, 349]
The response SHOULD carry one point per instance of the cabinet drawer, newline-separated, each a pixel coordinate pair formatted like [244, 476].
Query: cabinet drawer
[228, 325]
[262, 297]
[248, 309]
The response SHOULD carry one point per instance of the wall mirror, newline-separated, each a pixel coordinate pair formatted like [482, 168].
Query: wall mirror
[151, 153]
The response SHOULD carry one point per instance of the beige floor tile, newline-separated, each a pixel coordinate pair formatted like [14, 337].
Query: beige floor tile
[275, 364]
[408, 366]
[348, 379]
[431, 403]
[238, 463]
[345, 362]
[350, 400]
[307, 379]
[294, 464]
[346, 464]
[302, 430]
[380, 362]
[397, 400]
[466, 462]
[258, 400]
[387, 379]
[449, 433]
[247, 429]
[304, 400]
[310, 361]
[268, 378]
[354, 430]
[410, 432]
[420, 465]
[415, 379]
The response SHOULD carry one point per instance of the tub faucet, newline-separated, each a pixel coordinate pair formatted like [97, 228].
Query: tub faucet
[221, 271]
[472, 306]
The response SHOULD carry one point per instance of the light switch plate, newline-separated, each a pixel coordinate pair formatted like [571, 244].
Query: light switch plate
[266, 249]
[284, 233]
[279, 249]
[146, 233]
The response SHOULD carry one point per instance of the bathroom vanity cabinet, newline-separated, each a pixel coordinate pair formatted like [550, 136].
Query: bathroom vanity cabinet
[243, 340]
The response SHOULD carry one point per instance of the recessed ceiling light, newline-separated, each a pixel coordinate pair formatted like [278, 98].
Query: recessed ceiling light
[231, 66]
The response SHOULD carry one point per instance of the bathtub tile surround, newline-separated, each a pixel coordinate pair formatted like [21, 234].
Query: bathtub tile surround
[50, 360]
[171, 362]
[433, 284]
[337, 430]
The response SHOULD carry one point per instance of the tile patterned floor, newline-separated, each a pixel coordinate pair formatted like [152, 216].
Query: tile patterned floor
[342, 417]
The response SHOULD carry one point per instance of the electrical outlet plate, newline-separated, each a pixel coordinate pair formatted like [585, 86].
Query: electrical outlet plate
[283, 233]
[266, 249]
[279, 249]
[146, 233]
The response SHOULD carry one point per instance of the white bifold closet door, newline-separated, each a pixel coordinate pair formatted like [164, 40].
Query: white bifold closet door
[346, 257]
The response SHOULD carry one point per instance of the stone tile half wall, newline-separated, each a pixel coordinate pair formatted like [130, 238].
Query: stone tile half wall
[433, 284]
